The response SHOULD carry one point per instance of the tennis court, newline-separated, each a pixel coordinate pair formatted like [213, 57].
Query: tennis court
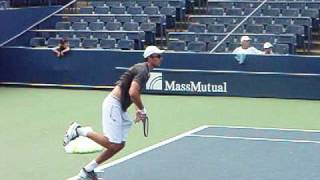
[224, 152]
[33, 122]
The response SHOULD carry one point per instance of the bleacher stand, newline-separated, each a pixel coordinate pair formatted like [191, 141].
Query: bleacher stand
[121, 24]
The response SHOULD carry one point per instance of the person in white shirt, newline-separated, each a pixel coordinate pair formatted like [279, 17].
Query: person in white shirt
[267, 48]
[246, 47]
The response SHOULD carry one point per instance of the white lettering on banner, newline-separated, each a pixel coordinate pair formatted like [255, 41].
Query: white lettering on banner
[156, 80]
[195, 87]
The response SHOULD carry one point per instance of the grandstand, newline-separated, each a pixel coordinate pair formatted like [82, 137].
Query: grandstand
[239, 92]
[292, 26]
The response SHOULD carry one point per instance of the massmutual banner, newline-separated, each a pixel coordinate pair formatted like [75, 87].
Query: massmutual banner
[233, 83]
[185, 83]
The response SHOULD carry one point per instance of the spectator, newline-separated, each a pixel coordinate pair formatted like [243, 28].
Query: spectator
[267, 48]
[62, 48]
[246, 47]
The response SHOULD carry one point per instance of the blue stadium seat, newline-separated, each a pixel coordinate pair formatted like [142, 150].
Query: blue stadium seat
[37, 41]
[118, 10]
[177, 45]
[314, 13]
[283, 21]
[130, 26]
[63, 25]
[295, 29]
[144, 3]
[216, 28]
[107, 19]
[206, 37]
[281, 48]
[128, 3]
[100, 35]
[79, 25]
[113, 3]
[288, 39]
[101, 10]
[274, 29]
[198, 28]
[221, 4]
[83, 35]
[258, 46]
[148, 27]
[86, 10]
[254, 28]
[74, 42]
[224, 20]
[247, 11]
[90, 43]
[113, 26]
[66, 34]
[160, 3]
[169, 11]
[135, 10]
[183, 36]
[53, 42]
[221, 48]
[234, 12]
[124, 19]
[243, 5]
[263, 20]
[140, 19]
[216, 11]
[271, 12]
[118, 35]
[240, 29]
[90, 19]
[299, 5]
[197, 46]
[290, 12]
[108, 43]
[125, 44]
[265, 38]
[73, 19]
[150, 10]
[313, 5]
[280, 5]
[97, 3]
[96, 26]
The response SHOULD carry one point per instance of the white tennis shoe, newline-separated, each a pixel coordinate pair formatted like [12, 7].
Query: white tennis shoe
[71, 133]
[84, 175]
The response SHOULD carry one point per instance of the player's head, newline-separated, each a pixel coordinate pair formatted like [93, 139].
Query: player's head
[152, 55]
[245, 42]
[64, 42]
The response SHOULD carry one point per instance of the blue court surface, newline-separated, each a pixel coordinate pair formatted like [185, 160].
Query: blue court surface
[224, 153]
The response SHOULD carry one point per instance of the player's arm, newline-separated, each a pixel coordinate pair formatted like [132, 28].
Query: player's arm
[134, 93]
[135, 96]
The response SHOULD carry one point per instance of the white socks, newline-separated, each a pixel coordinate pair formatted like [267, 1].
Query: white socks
[91, 166]
[83, 131]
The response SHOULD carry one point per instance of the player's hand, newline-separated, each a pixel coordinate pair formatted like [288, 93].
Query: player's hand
[141, 115]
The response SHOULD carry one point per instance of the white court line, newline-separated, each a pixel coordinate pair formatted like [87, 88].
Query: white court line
[260, 128]
[255, 139]
[165, 142]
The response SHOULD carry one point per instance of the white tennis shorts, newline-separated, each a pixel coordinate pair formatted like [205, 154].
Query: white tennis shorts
[116, 123]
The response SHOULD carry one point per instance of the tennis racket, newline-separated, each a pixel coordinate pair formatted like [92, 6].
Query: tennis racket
[145, 123]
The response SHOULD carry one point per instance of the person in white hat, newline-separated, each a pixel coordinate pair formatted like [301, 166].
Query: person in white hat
[115, 119]
[267, 48]
[246, 47]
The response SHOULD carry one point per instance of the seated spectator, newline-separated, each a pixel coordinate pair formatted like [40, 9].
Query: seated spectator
[267, 48]
[246, 47]
[62, 48]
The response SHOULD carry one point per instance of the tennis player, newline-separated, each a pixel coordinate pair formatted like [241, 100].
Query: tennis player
[115, 120]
